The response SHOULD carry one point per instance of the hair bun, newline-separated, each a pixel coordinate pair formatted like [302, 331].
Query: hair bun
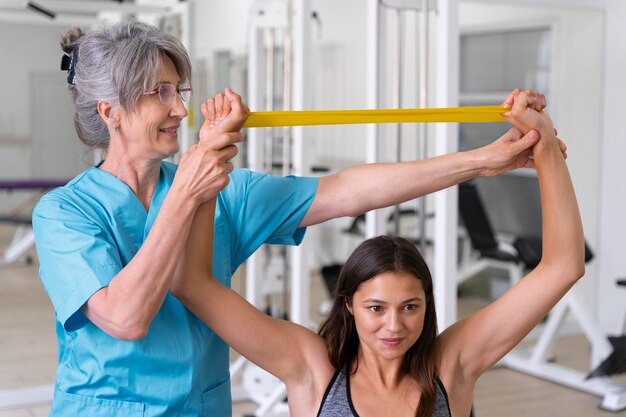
[71, 39]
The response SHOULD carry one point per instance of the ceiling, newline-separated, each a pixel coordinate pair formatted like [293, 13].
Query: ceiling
[74, 11]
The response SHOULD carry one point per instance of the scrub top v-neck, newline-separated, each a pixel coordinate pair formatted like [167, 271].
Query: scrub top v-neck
[90, 229]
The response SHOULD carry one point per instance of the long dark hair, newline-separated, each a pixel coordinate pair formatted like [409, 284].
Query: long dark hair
[373, 257]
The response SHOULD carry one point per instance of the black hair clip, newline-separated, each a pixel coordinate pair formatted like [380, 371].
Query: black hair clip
[69, 64]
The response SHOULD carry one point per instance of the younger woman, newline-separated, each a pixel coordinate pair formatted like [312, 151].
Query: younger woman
[378, 352]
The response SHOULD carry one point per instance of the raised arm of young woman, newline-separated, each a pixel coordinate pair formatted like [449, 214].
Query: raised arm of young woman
[126, 307]
[474, 344]
[293, 353]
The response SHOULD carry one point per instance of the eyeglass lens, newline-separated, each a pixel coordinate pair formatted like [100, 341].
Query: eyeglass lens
[167, 92]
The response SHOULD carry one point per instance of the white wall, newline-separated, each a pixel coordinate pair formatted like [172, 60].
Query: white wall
[25, 48]
[612, 198]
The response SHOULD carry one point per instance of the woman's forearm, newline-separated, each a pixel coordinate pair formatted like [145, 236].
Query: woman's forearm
[563, 240]
[366, 187]
[362, 188]
[199, 248]
[126, 307]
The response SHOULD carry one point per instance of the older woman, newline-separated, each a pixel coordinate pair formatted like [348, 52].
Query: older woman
[109, 242]
[378, 352]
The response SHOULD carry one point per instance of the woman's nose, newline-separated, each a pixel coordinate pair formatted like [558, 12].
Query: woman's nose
[178, 108]
[393, 321]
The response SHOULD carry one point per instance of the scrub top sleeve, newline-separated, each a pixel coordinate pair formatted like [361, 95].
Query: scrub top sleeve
[268, 209]
[75, 258]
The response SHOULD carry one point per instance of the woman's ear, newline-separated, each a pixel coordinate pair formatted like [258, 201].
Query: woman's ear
[349, 307]
[109, 114]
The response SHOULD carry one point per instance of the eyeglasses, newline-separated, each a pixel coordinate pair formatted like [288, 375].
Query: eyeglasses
[167, 92]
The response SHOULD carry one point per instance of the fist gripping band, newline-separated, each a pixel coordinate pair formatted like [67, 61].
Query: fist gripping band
[470, 114]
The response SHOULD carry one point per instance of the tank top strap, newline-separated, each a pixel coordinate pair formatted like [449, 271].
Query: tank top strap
[336, 401]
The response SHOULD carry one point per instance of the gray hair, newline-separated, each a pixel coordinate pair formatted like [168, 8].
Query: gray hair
[116, 63]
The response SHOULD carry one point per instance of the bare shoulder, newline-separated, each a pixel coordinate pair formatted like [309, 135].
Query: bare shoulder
[459, 384]
[306, 393]
[452, 344]
[321, 369]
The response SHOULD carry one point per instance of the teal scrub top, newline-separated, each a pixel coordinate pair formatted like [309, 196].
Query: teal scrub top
[87, 231]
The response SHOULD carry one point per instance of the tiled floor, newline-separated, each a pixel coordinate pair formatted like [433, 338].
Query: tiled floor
[28, 357]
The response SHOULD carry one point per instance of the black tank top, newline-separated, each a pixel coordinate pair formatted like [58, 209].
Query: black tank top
[338, 403]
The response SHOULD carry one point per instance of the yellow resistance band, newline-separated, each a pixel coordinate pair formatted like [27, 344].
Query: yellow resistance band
[337, 117]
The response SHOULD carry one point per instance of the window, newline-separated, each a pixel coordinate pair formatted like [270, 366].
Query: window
[494, 63]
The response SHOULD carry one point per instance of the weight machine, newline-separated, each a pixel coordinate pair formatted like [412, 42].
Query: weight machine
[445, 85]
[277, 29]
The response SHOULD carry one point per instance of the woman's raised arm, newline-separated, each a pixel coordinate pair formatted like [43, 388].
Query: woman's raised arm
[479, 341]
[284, 349]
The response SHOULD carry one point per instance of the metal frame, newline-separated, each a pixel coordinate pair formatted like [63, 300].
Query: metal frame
[446, 141]
[446, 135]
[27, 396]
[537, 362]
[293, 18]
[23, 239]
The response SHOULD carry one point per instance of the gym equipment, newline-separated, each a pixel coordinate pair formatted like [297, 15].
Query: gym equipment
[616, 362]
[524, 253]
[489, 252]
[276, 26]
[536, 362]
[23, 238]
[445, 55]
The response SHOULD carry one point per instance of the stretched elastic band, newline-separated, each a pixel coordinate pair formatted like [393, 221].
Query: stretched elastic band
[470, 114]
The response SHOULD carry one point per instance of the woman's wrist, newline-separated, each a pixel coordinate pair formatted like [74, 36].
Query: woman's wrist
[547, 145]
[183, 206]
